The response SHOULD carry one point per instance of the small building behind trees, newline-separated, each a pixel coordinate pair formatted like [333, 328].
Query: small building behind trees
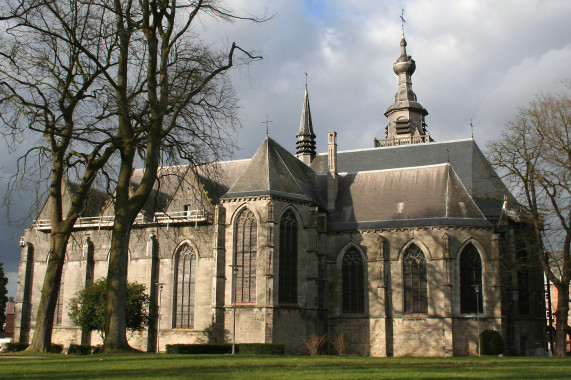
[403, 247]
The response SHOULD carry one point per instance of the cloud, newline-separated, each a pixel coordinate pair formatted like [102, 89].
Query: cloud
[521, 83]
[475, 60]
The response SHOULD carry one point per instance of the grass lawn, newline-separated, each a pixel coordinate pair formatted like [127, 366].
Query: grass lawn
[150, 366]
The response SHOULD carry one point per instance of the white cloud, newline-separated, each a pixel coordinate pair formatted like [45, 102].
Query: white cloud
[520, 84]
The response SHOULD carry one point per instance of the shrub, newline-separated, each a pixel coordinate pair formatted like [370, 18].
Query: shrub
[97, 349]
[339, 343]
[79, 349]
[88, 307]
[315, 344]
[491, 343]
[56, 348]
[16, 346]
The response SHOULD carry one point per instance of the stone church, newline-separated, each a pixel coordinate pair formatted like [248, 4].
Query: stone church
[403, 248]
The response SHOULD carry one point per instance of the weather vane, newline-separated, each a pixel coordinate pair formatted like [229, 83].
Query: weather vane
[267, 122]
[402, 19]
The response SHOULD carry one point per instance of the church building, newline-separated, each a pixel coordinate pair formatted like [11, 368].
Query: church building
[404, 248]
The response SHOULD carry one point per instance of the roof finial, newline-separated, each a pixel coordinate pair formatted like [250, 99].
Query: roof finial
[471, 129]
[267, 122]
[305, 77]
[402, 20]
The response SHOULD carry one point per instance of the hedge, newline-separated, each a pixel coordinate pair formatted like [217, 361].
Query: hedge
[15, 347]
[56, 348]
[79, 349]
[261, 348]
[226, 348]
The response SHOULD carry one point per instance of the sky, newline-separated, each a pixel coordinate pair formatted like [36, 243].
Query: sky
[476, 61]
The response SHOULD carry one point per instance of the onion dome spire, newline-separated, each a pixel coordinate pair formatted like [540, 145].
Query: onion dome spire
[406, 115]
[305, 138]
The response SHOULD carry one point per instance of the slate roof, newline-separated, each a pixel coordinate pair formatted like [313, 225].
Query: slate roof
[274, 171]
[465, 157]
[428, 195]
[438, 183]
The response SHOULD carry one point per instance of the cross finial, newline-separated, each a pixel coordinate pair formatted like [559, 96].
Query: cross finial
[402, 20]
[267, 122]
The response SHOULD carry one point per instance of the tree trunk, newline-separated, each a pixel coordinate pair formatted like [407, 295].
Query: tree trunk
[116, 312]
[42, 339]
[561, 320]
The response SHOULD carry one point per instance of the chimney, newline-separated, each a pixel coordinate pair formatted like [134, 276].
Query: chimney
[332, 185]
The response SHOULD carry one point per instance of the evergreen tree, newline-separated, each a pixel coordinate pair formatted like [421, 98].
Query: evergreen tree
[87, 308]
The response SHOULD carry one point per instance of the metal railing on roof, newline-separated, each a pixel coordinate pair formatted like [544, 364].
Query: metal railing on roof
[397, 141]
[181, 216]
[185, 216]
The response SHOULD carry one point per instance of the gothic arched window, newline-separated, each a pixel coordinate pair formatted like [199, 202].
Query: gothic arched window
[470, 281]
[245, 259]
[288, 259]
[185, 280]
[352, 281]
[414, 279]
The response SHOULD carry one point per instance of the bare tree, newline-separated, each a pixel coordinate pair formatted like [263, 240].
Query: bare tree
[154, 93]
[534, 157]
[179, 104]
[48, 95]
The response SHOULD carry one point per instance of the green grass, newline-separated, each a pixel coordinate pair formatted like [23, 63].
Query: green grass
[150, 366]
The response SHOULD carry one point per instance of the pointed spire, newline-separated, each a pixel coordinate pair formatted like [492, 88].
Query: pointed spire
[406, 115]
[305, 137]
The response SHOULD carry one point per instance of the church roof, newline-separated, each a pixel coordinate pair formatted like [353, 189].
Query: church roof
[464, 156]
[274, 171]
[428, 195]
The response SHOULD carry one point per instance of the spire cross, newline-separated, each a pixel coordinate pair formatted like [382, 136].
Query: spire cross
[267, 122]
